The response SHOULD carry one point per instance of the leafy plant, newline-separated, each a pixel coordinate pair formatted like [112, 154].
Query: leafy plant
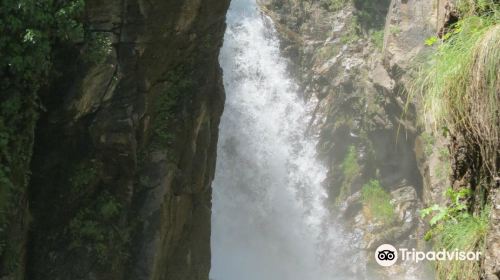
[457, 207]
[431, 40]
[453, 227]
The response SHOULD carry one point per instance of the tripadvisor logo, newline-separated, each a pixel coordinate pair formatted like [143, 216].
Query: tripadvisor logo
[387, 255]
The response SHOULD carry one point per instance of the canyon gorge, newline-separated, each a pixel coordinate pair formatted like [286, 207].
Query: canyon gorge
[247, 139]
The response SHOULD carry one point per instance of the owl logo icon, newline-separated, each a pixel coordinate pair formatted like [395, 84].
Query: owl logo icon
[386, 255]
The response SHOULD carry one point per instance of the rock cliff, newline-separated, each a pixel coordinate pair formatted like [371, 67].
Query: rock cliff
[125, 146]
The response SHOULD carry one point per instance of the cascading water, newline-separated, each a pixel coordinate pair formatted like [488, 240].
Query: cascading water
[268, 213]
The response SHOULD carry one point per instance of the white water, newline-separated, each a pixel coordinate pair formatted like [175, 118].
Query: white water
[268, 220]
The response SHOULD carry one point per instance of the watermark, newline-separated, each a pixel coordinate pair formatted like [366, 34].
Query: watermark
[387, 255]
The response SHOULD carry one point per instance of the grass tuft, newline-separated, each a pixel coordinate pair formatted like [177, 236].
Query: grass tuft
[378, 202]
[453, 228]
[465, 234]
[460, 88]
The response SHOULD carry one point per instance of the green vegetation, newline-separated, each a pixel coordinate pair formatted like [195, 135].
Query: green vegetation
[369, 16]
[431, 40]
[350, 164]
[444, 153]
[333, 5]
[377, 38]
[84, 175]
[29, 29]
[459, 91]
[349, 37]
[98, 47]
[378, 202]
[453, 227]
[96, 231]
[350, 169]
[460, 85]
[477, 7]
[395, 30]
[17, 121]
[326, 52]
[351, 32]
[177, 86]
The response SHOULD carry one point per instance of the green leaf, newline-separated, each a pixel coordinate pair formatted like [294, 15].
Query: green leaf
[443, 211]
[431, 41]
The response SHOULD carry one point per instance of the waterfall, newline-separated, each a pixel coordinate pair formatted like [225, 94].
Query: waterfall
[268, 220]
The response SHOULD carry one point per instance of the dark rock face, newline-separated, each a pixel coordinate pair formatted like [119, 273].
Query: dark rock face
[125, 154]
